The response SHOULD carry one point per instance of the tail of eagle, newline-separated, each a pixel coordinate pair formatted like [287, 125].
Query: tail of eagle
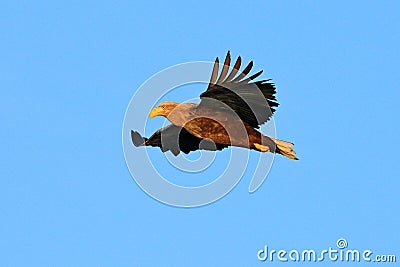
[285, 148]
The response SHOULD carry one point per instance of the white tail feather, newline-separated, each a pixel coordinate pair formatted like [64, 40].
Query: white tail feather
[285, 148]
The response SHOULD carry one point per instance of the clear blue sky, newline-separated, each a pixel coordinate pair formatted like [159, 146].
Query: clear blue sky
[68, 71]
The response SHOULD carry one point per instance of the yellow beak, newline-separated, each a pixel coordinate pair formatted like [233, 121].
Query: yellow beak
[154, 112]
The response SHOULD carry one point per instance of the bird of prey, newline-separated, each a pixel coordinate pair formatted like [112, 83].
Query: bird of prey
[230, 111]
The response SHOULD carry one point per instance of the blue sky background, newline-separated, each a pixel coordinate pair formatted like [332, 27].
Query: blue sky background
[68, 71]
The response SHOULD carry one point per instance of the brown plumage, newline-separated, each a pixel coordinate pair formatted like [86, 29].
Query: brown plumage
[229, 114]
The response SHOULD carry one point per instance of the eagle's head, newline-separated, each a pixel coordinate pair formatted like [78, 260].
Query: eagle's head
[163, 109]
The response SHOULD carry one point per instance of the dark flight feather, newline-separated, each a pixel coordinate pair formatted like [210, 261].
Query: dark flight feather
[225, 68]
[175, 139]
[215, 70]
[235, 69]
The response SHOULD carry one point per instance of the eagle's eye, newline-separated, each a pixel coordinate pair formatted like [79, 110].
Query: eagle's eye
[163, 107]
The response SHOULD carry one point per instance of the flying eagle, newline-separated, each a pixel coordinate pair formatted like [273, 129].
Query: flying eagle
[230, 111]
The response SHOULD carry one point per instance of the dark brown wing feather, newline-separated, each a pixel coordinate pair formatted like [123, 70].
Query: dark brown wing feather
[253, 101]
[235, 69]
[225, 68]
[175, 139]
[214, 74]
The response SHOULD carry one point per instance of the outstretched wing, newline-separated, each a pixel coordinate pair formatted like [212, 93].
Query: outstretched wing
[175, 139]
[253, 101]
